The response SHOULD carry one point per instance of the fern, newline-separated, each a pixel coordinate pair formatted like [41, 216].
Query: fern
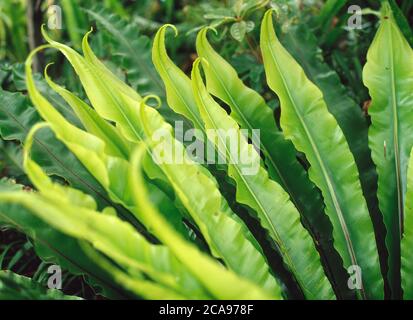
[134, 238]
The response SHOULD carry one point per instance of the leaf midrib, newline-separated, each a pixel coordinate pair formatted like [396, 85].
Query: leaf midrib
[396, 138]
[263, 146]
[93, 70]
[277, 237]
[193, 115]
